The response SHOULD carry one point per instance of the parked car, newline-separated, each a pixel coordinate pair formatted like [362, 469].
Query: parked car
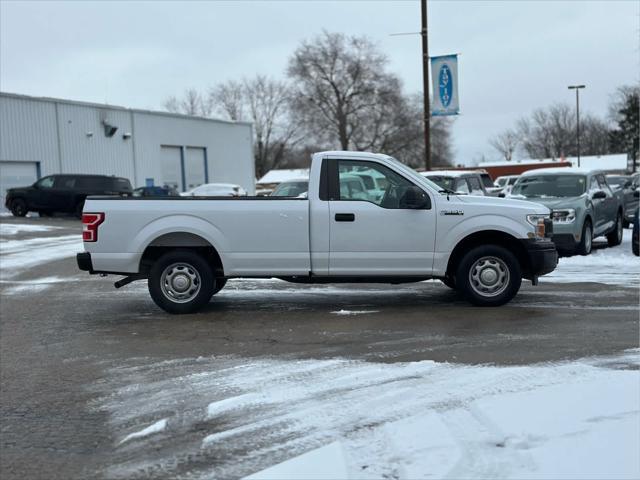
[187, 250]
[582, 204]
[505, 183]
[627, 185]
[462, 182]
[165, 191]
[635, 236]
[488, 184]
[291, 188]
[216, 190]
[65, 193]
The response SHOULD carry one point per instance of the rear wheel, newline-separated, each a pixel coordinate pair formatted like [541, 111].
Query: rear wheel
[586, 241]
[615, 237]
[489, 276]
[181, 281]
[19, 208]
[78, 210]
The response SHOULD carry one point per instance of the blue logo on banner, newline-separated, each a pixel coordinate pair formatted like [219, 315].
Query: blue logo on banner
[446, 85]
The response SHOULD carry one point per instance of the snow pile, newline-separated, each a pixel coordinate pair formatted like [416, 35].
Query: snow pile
[157, 427]
[402, 420]
[614, 266]
[7, 229]
[20, 255]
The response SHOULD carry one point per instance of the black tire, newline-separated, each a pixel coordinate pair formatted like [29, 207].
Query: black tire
[489, 258]
[586, 240]
[220, 283]
[449, 282]
[614, 238]
[78, 210]
[193, 269]
[19, 208]
[635, 248]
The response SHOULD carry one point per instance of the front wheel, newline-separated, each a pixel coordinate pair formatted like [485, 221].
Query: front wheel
[181, 281]
[489, 276]
[615, 237]
[586, 240]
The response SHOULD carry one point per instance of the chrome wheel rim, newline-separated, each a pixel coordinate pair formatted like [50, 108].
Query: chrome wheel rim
[489, 276]
[180, 282]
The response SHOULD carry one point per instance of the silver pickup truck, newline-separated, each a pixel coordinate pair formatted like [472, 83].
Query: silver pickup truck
[408, 230]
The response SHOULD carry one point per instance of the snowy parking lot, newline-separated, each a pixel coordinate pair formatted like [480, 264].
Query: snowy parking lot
[291, 381]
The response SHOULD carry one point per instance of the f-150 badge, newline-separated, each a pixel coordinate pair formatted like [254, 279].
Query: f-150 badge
[451, 212]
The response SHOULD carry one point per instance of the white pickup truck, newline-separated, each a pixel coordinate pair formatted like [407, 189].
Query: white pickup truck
[187, 247]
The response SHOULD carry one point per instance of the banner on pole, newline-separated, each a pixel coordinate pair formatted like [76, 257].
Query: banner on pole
[444, 74]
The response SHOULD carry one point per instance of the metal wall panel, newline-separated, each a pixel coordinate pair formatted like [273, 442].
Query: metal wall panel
[68, 137]
[28, 133]
[87, 149]
[228, 146]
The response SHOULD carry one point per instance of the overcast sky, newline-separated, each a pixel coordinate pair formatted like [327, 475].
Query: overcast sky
[516, 56]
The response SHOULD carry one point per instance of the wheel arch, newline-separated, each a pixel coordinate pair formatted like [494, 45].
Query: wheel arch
[184, 240]
[489, 237]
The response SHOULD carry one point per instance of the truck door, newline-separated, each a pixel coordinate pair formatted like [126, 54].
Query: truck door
[376, 234]
[610, 203]
[599, 207]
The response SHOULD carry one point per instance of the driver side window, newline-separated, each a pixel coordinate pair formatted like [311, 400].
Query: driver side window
[46, 182]
[386, 190]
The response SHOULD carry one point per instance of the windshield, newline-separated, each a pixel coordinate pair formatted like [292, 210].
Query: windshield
[550, 186]
[290, 189]
[616, 181]
[443, 182]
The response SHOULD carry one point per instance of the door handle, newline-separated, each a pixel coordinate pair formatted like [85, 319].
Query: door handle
[345, 217]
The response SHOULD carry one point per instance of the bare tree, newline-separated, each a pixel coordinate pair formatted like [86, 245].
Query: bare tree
[191, 103]
[345, 98]
[266, 104]
[551, 133]
[506, 143]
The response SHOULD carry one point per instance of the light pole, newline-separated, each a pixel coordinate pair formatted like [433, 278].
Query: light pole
[577, 89]
[425, 84]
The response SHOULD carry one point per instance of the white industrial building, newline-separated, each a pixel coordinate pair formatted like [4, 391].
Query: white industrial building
[44, 136]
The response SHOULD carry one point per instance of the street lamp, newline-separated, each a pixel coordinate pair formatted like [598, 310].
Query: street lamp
[577, 89]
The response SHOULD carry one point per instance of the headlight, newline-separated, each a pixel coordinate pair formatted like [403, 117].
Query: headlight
[534, 218]
[567, 215]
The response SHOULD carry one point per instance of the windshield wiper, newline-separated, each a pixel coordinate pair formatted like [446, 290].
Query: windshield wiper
[447, 191]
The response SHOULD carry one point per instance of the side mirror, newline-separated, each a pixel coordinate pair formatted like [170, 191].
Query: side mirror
[415, 198]
[599, 195]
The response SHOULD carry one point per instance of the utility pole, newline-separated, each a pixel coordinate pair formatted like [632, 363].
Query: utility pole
[425, 79]
[577, 89]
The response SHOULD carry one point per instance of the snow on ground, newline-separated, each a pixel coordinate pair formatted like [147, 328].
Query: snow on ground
[32, 286]
[614, 266]
[423, 419]
[156, 427]
[354, 312]
[19, 255]
[16, 228]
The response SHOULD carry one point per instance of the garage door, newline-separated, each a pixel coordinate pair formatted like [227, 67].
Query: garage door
[194, 167]
[16, 174]
[170, 158]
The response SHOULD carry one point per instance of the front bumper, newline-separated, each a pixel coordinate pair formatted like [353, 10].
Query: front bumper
[542, 257]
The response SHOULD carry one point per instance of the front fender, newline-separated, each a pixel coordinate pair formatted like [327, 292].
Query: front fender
[479, 223]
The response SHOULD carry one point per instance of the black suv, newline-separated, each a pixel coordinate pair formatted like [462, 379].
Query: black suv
[63, 193]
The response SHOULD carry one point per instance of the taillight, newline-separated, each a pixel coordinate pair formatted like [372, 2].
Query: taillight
[90, 223]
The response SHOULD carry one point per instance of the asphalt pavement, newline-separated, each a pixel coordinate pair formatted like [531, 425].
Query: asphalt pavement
[63, 334]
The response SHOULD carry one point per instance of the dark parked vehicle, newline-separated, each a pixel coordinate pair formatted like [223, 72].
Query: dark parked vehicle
[63, 193]
[156, 192]
[628, 185]
[635, 236]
